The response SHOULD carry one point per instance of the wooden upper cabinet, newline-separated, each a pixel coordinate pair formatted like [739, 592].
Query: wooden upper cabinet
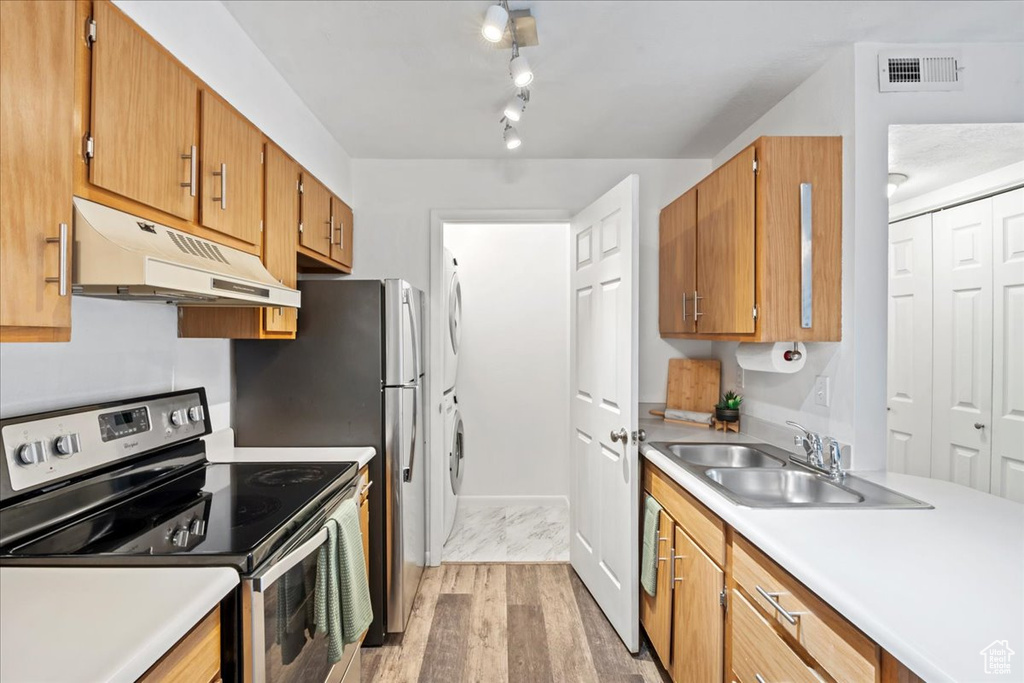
[747, 250]
[725, 248]
[316, 216]
[37, 143]
[143, 120]
[341, 235]
[678, 265]
[281, 229]
[231, 154]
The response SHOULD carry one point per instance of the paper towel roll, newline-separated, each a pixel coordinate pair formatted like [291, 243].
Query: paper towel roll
[770, 357]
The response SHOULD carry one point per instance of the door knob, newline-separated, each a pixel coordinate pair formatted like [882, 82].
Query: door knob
[620, 435]
[979, 425]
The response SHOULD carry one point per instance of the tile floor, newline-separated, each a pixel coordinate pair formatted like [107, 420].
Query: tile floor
[509, 534]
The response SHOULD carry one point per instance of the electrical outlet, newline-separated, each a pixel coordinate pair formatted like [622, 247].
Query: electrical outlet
[823, 390]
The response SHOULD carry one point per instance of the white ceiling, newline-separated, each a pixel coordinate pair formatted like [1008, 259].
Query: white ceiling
[614, 79]
[933, 156]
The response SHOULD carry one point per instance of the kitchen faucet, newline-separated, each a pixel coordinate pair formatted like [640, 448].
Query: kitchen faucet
[814, 447]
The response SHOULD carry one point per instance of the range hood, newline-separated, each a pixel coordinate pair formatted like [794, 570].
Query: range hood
[121, 256]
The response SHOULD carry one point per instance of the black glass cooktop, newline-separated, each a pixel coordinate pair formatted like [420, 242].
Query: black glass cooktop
[217, 514]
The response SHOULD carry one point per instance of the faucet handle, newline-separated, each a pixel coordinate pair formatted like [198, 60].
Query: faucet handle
[835, 458]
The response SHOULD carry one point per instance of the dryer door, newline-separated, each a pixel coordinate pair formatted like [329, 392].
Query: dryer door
[454, 313]
[455, 456]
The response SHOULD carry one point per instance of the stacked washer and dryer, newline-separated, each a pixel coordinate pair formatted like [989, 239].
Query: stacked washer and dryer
[453, 434]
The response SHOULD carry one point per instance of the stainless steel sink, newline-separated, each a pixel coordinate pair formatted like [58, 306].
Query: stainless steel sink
[723, 455]
[762, 476]
[782, 487]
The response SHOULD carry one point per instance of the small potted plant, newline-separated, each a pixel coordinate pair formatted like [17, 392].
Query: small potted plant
[728, 407]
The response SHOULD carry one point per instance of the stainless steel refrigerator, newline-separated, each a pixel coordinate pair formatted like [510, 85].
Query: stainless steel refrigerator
[353, 376]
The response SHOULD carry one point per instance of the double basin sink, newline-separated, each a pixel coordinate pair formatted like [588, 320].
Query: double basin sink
[759, 475]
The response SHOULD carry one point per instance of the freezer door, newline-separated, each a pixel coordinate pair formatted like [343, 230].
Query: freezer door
[406, 479]
[404, 333]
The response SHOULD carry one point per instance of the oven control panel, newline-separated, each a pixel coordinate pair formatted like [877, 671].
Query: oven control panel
[44, 449]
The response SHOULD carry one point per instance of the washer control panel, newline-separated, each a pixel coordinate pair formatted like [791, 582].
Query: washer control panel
[44, 449]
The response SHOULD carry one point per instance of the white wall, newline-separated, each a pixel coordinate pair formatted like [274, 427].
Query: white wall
[513, 381]
[822, 105]
[843, 99]
[395, 198]
[120, 349]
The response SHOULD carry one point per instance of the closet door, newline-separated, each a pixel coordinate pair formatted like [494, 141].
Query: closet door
[962, 376]
[1008, 345]
[909, 376]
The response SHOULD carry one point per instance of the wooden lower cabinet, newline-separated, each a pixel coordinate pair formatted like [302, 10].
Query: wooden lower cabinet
[720, 625]
[194, 659]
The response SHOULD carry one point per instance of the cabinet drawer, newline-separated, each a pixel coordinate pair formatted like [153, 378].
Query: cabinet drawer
[838, 647]
[194, 659]
[701, 524]
[758, 653]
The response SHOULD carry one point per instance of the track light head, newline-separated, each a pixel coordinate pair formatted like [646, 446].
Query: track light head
[495, 22]
[522, 74]
[514, 109]
[512, 139]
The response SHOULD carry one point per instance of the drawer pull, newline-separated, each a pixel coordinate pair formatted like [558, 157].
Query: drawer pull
[365, 489]
[759, 678]
[770, 597]
[674, 558]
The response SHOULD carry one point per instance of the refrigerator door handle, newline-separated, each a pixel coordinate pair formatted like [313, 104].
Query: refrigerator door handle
[408, 470]
[415, 329]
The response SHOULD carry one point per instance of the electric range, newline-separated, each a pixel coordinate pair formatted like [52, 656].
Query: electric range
[127, 483]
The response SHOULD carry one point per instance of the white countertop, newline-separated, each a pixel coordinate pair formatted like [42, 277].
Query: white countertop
[99, 624]
[932, 587]
[220, 447]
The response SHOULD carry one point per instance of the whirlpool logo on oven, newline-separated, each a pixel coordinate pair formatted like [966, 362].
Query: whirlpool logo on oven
[128, 445]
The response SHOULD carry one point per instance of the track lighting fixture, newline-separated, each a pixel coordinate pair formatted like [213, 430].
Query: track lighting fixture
[895, 180]
[515, 107]
[495, 22]
[512, 139]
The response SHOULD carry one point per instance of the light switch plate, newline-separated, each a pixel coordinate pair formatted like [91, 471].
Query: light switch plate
[823, 390]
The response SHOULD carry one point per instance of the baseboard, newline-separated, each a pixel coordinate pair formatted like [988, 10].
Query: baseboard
[510, 501]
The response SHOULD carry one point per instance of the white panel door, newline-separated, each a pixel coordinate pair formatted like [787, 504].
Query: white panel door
[604, 486]
[962, 376]
[909, 377]
[1008, 345]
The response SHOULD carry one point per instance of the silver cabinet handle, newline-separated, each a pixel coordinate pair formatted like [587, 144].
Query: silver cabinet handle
[330, 230]
[759, 678]
[193, 159]
[806, 256]
[770, 597]
[620, 435]
[696, 313]
[62, 242]
[676, 558]
[223, 175]
[363, 491]
[979, 425]
[684, 305]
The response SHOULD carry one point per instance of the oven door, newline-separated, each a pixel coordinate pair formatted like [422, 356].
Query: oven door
[280, 643]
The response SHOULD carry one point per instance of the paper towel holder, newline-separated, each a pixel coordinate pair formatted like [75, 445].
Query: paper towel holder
[794, 353]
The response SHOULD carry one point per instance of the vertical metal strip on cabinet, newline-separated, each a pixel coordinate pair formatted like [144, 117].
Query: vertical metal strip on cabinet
[806, 256]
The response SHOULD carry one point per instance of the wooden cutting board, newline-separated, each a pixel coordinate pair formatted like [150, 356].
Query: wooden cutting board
[693, 384]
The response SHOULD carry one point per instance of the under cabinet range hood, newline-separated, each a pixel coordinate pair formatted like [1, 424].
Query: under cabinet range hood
[121, 256]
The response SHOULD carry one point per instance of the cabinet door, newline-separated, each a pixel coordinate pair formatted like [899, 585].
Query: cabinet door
[316, 216]
[232, 172]
[677, 274]
[341, 232]
[656, 611]
[725, 248]
[143, 118]
[37, 71]
[699, 639]
[280, 229]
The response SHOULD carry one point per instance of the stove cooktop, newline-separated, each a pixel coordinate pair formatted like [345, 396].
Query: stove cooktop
[216, 514]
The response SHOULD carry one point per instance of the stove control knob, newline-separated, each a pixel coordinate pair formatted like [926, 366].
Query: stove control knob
[179, 537]
[179, 417]
[32, 453]
[67, 444]
[196, 414]
[197, 527]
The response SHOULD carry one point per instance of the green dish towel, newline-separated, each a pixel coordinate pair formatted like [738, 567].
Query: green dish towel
[342, 595]
[649, 559]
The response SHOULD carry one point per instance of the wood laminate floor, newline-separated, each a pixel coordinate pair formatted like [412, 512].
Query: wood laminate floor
[514, 623]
